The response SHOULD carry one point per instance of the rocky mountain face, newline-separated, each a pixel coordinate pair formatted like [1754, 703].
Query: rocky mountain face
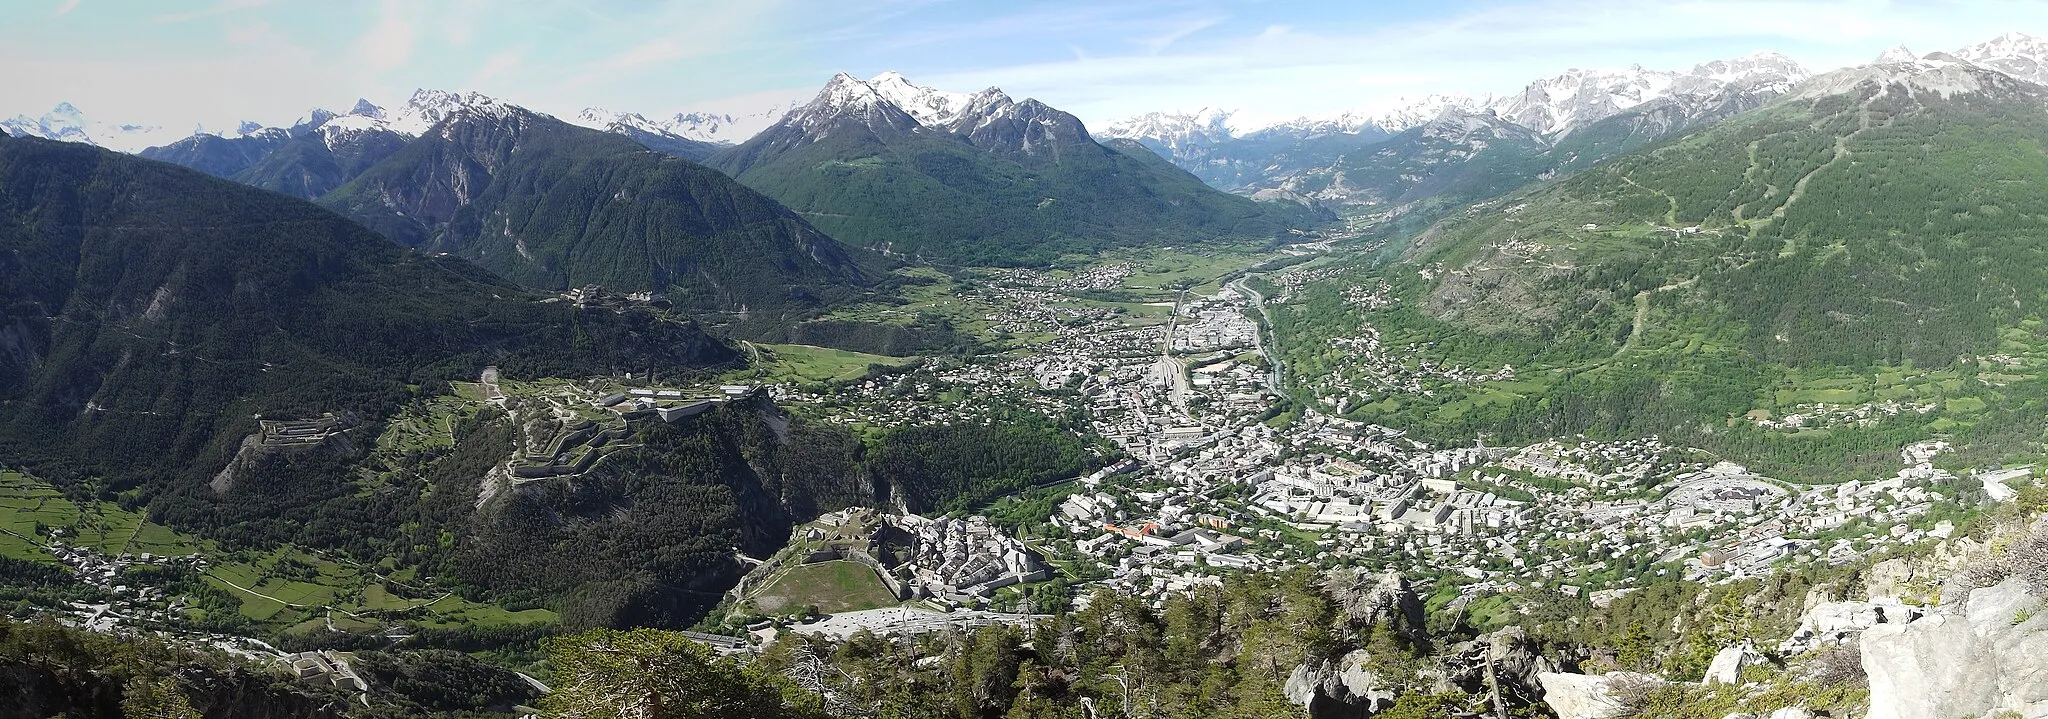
[1184, 138]
[221, 156]
[512, 190]
[978, 177]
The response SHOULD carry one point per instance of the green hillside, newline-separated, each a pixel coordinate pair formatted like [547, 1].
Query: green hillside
[994, 201]
[1810, 285]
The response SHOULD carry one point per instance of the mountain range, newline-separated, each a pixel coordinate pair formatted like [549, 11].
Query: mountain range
[980, 178]
[1367, 159]
[436, 172]
[519, 193]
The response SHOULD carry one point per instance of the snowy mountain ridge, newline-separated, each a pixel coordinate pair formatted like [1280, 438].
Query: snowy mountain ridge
[67, 123]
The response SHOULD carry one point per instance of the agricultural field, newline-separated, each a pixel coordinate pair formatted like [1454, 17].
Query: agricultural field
[27, 505]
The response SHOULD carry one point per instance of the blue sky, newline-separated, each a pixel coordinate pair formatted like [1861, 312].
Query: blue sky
[178, 63]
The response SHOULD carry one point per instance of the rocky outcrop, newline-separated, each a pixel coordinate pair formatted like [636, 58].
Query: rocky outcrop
[1385, 601]
[1347, 687]
[1984, 655]
[1834, 623]
[1728, 664]
[1591, 696]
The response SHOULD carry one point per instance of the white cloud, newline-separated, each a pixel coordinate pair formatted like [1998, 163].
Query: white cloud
[65, 7]
[388, 44]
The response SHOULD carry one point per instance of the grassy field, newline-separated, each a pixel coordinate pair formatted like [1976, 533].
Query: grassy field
[26, 503]
[804, 363]
[838, 586]
[1199, 270]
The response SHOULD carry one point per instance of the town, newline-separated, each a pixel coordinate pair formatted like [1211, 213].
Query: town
[1206, 477]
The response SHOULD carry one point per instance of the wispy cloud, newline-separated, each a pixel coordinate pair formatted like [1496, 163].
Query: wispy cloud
[497, 65]
[65, 7]
[647, 53]
[388, 44]
[1159, 43]
[220, 8]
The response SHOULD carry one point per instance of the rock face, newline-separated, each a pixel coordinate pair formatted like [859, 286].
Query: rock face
[1988, 655]
[1344, 688]
[1833, 623]
[1728, 664]
[1588, 696]
[1383, 600]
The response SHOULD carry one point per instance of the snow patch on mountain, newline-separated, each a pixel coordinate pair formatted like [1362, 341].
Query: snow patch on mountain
[891, 100]
[1385, 118]
[931, 106]
[2017, 54]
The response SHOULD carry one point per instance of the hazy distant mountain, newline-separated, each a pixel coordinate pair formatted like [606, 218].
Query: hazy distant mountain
[660, 137]
[1456, 148]
[978, 178]
[69, 124]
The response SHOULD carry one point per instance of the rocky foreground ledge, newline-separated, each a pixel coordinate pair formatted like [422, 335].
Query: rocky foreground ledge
[1980, 650]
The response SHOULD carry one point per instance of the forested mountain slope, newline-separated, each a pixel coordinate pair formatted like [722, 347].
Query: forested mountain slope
[554, 206]
[986, 180]
[153, 312]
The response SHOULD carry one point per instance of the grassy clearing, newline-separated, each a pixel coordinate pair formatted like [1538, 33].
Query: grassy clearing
[837, 586]
[805, 363]
[1200, 270]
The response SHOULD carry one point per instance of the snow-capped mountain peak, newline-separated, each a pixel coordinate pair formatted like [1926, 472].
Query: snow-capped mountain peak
[1895, 53]
[722, 127]
[1174, 130]
[847, 97]
[365, 108]
[598, 118]
[427, 108]
[930, 106]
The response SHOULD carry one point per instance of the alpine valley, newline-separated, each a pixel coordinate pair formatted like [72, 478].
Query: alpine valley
[1706, 393]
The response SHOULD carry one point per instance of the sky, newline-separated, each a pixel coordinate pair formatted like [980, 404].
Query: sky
[212, 63]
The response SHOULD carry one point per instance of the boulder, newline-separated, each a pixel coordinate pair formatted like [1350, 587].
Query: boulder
[1791, 713]
[1728, 664]
[1588, 696]
[1985, 656]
